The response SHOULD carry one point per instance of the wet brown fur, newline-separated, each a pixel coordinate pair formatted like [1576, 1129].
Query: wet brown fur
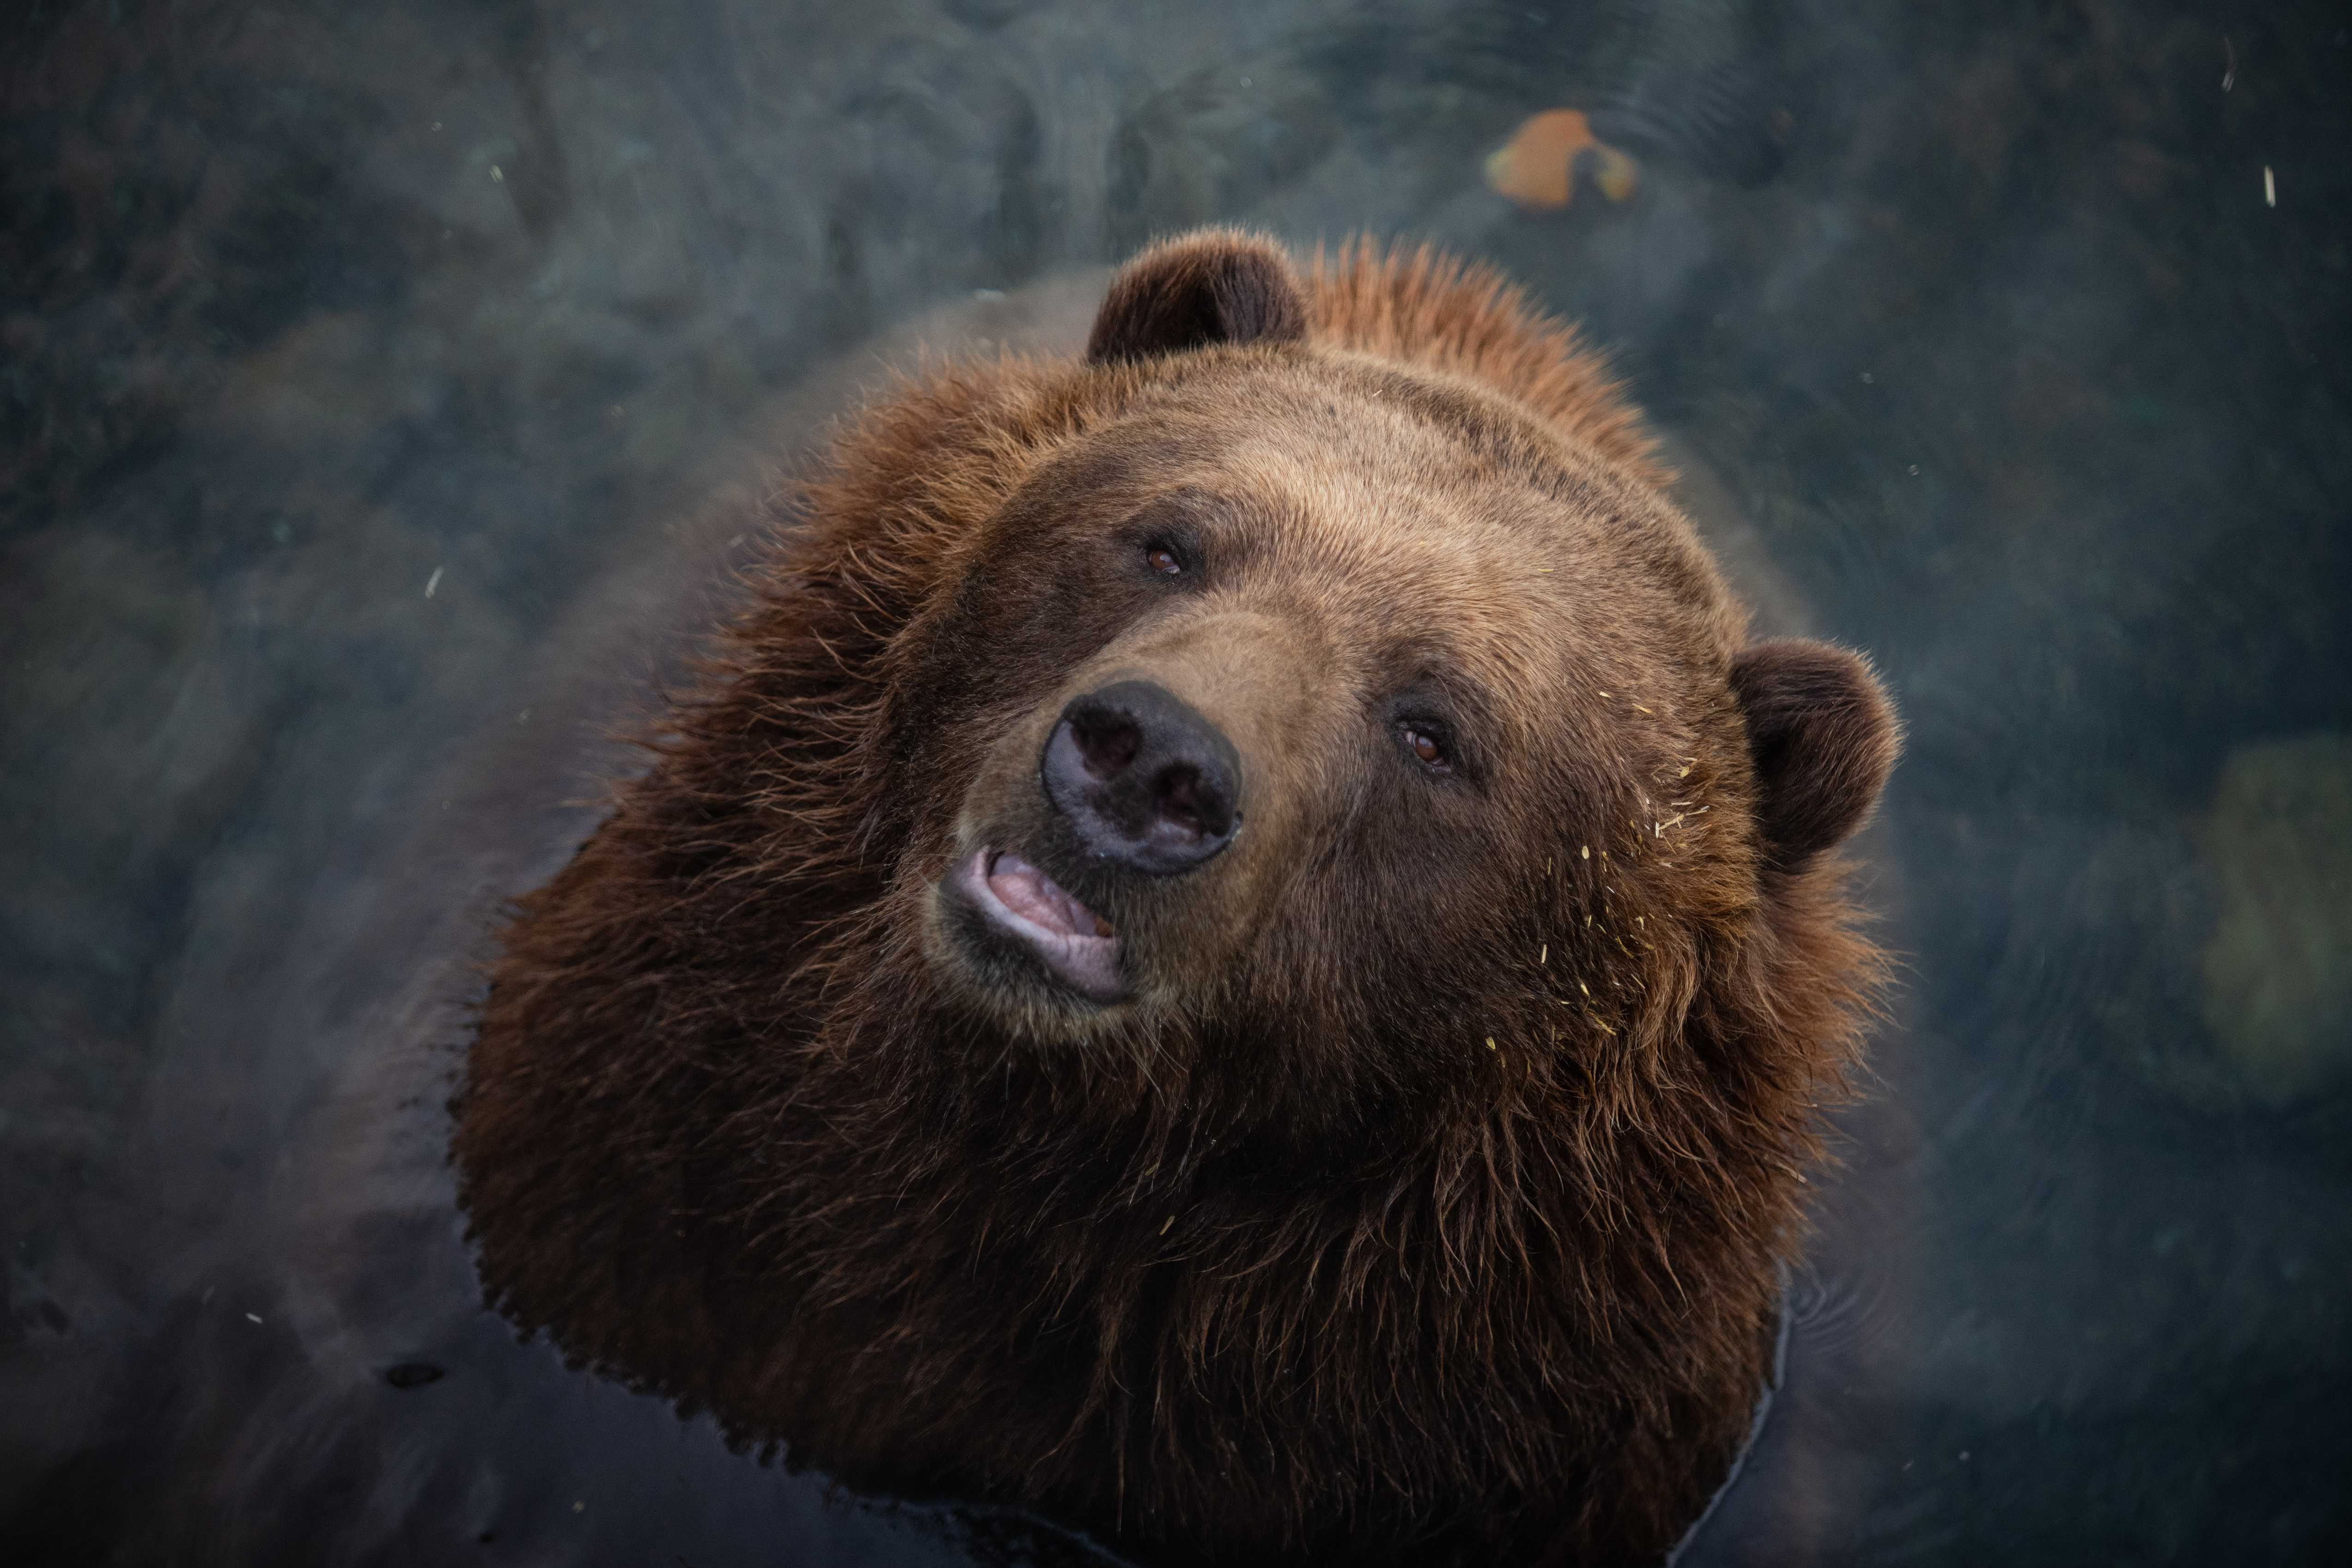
[1429, 1200]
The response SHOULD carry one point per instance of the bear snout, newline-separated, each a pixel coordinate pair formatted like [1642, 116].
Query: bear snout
[1145, 781]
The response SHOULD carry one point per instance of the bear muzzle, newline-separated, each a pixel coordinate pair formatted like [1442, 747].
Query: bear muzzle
[1139, 784]
[1099, 856]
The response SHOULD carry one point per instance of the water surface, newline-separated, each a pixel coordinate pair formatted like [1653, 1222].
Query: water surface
[386, 387]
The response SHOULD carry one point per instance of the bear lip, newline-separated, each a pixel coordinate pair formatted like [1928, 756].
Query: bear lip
[1020, 900]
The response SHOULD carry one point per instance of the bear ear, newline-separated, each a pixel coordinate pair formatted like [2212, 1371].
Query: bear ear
[1218, 285]
[1823, 738]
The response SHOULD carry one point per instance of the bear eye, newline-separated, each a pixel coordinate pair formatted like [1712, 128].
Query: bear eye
[1426, 745]
[1163, 560]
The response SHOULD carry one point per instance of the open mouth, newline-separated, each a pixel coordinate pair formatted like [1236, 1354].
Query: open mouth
[1019, 902]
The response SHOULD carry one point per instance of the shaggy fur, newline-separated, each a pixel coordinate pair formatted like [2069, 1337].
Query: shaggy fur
[1425, 1199]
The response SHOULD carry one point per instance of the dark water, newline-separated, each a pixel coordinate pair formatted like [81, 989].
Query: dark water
[380, 391]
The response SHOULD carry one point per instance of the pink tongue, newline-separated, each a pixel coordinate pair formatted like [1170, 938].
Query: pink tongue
[1033, 895]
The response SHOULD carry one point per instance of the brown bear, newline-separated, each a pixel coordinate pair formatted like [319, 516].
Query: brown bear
[1234, 946]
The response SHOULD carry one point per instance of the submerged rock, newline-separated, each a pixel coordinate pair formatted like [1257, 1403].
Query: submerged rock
[2278, 968]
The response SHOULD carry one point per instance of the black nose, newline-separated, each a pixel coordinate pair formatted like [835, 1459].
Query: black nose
[1144, 780]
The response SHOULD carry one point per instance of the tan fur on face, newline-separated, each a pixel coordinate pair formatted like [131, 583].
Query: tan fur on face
[1426, 1200]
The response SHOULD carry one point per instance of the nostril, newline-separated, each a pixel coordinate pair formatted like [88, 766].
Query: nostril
[1107, 742]
[1193, 803]
[1179, 796]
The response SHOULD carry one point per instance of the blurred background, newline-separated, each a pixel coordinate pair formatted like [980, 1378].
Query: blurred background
[386, 390]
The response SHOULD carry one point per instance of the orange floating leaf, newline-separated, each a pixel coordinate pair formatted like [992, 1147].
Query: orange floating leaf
[1537, 168]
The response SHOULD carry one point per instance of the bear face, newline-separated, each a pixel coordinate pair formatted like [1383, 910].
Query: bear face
[1236, 946]
[1325, 602]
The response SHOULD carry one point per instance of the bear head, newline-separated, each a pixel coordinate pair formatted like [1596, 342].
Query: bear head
[1237, 943]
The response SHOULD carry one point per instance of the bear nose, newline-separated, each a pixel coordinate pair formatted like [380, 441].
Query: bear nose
[1144, 778]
